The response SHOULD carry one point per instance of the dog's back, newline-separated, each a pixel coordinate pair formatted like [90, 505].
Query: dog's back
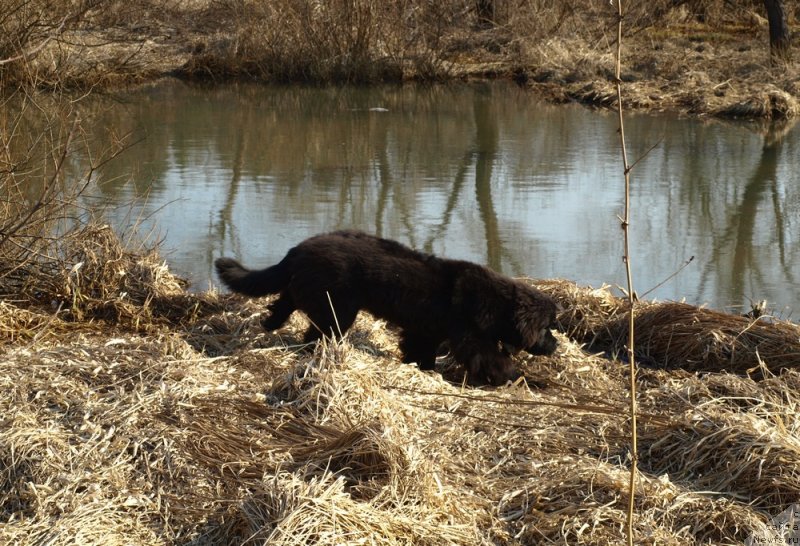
[382, 276]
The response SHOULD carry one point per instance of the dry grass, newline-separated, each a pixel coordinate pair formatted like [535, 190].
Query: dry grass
[135, 413]
[186, 423]
[338, 41]
[673, 335]
[694, 57]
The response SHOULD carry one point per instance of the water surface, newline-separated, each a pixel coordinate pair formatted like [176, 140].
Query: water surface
[481, 172]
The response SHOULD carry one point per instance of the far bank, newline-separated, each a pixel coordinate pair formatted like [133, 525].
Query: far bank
[696, 58]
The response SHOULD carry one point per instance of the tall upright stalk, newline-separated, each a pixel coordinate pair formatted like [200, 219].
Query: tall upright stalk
[631, 294]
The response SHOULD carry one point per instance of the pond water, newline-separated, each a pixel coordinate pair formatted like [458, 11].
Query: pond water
[481, 172]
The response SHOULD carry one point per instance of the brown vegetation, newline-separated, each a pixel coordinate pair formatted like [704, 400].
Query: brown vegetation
[701, 58]
[675, 335]
[136, 413]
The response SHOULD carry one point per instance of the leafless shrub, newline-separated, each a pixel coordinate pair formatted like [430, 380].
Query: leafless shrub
[81, 44]
[342, 40]
[84, 43]
[40, 190]
[28, 28]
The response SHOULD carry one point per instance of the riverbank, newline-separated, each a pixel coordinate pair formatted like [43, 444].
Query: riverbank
[136, 413]
[693, 59]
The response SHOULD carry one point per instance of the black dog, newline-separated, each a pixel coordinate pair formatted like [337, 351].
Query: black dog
[484, 316]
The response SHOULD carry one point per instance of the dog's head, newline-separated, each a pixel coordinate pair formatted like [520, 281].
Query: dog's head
[534, 319]
[546, 344]
[507, 311]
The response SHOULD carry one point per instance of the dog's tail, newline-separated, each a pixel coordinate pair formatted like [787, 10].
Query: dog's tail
[250, 282]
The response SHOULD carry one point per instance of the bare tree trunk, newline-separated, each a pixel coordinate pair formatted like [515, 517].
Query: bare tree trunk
[779, 38]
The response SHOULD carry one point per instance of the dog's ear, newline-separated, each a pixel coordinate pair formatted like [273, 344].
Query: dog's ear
[479, 299]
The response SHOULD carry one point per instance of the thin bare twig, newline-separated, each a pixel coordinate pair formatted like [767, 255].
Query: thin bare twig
[37, 48]
[631, 294]
[672, 276]
[45, 195]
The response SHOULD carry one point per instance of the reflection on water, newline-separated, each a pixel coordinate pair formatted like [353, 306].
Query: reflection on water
[480, 172]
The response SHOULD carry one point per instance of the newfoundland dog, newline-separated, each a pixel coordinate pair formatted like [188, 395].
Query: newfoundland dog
[483, 316]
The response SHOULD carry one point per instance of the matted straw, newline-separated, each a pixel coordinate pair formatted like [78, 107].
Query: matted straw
[728, 434]
[774, 103]
[677, 335]
[207, 430]
[340, 444]
[585, 311]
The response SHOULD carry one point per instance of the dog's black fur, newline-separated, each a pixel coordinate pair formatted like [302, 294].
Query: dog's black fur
[482, 315]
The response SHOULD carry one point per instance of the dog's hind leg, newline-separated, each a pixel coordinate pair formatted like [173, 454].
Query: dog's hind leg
[279, 312]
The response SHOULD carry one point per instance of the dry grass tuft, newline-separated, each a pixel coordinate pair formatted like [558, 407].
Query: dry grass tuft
[585, 311]
[189, 424]
[676, 335]
[101, 278]
[94, 276]
[774, 104]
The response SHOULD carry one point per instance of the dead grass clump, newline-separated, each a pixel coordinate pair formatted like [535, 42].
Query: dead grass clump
[93, 275]
[76, 441]
[677, 335]
[585, 311]
[353, 404]
[17, 325]
[327, 454]
[108, 436]
[293, 509]
[727, 434]
[773, 104]
[341, 41]
[102, 277]
[581, 500]
[739, 454]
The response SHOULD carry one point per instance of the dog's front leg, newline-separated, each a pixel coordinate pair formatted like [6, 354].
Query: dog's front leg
[418, 348]
[483, 360]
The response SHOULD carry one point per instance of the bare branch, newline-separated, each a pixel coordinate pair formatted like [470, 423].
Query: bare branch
[626, 221]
